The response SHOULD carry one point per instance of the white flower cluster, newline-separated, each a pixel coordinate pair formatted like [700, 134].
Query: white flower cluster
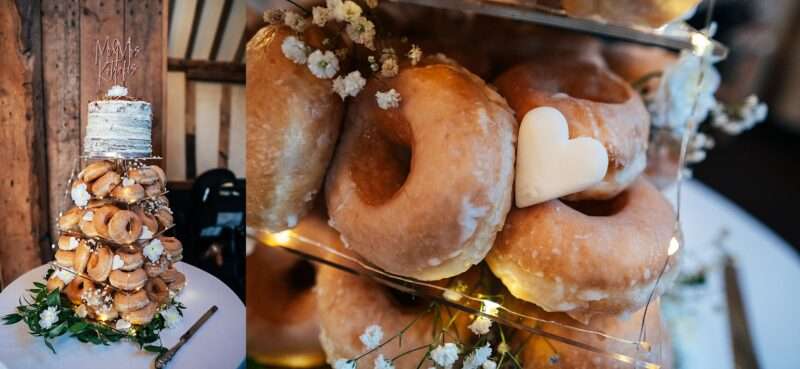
[344, 364]
[295, 21]
[445, 355]
[685, 94]
[80, 195]
[323, 64]
[481, 325]
[745, 116]
[153, 250]
[359, 29]
[171, 317]
[64, 275]
[415, 54]
[122, 325]
[383, 363]
[372, 336]
[389, 66]
[48, 317]
[117, 91]
[295, 50]
[387, 100]
[349, 85]
[698, 145]
[478, 357]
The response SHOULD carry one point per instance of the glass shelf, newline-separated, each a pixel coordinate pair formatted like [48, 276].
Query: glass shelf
[676, 36]
[314, 240]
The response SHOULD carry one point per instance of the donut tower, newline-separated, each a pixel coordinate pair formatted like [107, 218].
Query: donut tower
[113, 261]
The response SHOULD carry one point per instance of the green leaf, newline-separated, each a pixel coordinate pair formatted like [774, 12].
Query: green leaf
[49, 345]
[39, 285]
[79, 327]
[54, 298]
[156, 349]
[11, 319]
[58, 330]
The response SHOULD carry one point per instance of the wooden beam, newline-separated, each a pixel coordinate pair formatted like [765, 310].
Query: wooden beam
[208, 71]
[198, 12]
[240, 51]
[221, 25]
[61, 49]
[224, 126]
[23, 227]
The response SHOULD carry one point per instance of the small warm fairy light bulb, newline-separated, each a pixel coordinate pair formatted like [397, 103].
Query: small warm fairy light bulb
[279, 239]
[700, 43]
[674, 245]
[489, 307]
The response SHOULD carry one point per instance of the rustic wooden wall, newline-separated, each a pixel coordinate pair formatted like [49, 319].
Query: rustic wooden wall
[47, 79]
[23, 194]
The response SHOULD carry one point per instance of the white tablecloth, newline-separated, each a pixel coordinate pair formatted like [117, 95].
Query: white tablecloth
[769, 276]
[220, 343]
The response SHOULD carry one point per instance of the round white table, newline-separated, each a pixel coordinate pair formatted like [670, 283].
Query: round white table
[220, 343]
[769, 277]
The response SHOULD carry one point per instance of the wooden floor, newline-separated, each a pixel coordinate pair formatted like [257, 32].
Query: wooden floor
[760, 171]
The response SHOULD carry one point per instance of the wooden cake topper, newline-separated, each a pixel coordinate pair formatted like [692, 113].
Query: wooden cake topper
[114, 60]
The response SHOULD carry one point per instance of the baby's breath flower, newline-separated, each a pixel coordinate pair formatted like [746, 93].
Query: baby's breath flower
[503, 348]
[349, 85]
[481, 325]
[295, 21]
[383, 363]
[388, 99]
[445, 355]
[274, 16]
[372, 3]
[373, 334]
[346, 11]
[294, 50]
[415, 54]
[489, 364]
[389, 68]
[344, 364]
[323, 64]
[362, 31]
[122, 325]
[320, 15]
[477, 357]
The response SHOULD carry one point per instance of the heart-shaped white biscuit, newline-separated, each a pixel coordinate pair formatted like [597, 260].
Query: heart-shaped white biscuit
[549, 164]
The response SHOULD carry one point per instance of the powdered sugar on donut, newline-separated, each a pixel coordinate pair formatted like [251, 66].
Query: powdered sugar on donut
[469, 218]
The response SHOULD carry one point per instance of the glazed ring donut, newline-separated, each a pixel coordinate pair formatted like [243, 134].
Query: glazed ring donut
[652, 13]
[157, 290]
[86, 224]
[124, 227]
[162, 176]
[128, 281]
[125, 302]
[148, 220]
[155, 269]
[99, 266]
[68, 243]
[164, 216]
[172, 248]
[70, 219]
[102, 216]
[540, 352]
[141, 316]
[65, 258]
[77, 288]
[290, 148]
[132, 260]
[144, 175]
[596, 103]
[54, 283]
[374, 198]
[103, 185]
[153, 190]
[98, 203]
[128, 194]
[367, 303]
[178, 283]
[82, 254]
[594, 257]
[95, 170]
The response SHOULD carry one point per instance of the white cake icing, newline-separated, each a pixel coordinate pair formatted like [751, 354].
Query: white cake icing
[118, 128]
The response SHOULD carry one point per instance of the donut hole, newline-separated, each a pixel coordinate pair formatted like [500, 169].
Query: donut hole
[382, 162]
[405, 301]
[301, 276]
[600, 208]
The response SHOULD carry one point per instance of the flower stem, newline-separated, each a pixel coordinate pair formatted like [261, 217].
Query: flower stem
[398, 334]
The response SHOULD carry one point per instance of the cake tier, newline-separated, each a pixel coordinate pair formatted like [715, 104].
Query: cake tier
[118, 129]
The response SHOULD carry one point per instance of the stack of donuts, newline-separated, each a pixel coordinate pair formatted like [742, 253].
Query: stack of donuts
[113, 259]
[538, 171]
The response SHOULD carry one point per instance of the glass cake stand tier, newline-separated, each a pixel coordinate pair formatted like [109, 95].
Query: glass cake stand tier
[314, 240]
[677, 35]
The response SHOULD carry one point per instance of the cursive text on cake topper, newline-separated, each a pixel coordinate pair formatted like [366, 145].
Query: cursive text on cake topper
[114, 60]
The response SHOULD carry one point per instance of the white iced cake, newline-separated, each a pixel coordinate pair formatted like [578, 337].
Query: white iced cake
[118, 127]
